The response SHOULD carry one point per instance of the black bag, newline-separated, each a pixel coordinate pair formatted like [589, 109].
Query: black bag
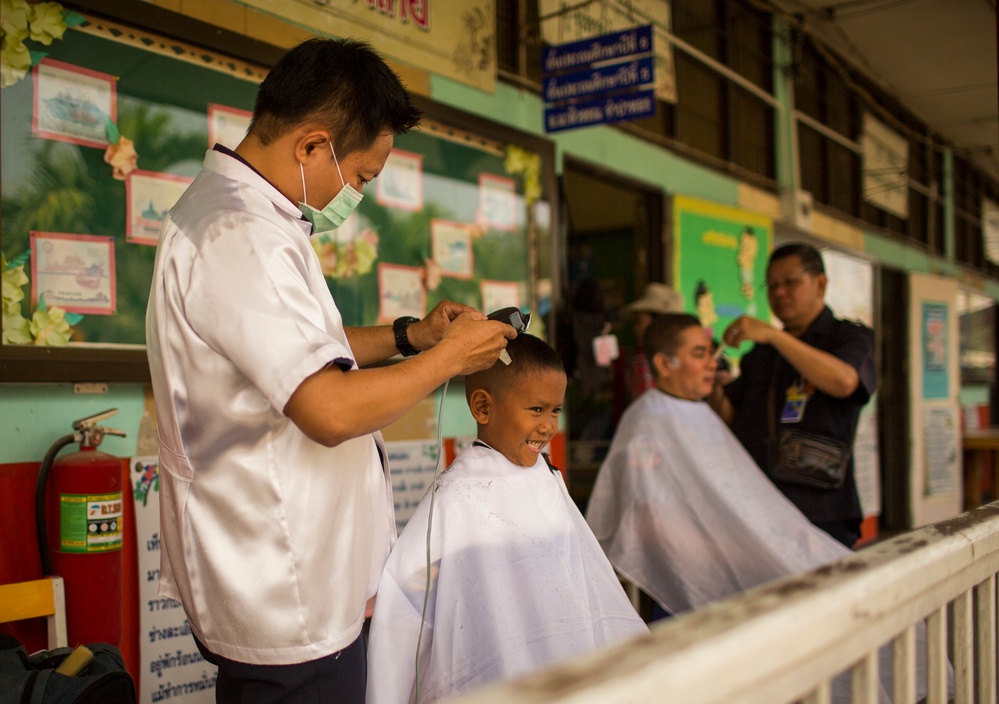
[807, 459]
[32, 679]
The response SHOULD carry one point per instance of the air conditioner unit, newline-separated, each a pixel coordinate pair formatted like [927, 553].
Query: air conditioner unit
[796, 207]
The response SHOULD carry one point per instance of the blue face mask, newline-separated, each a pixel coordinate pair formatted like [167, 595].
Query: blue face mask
[336, 211]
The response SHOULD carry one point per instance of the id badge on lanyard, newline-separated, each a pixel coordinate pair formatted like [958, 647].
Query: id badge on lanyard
[795, 400]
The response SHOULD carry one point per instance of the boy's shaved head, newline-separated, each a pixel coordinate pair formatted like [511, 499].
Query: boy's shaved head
[527, 354]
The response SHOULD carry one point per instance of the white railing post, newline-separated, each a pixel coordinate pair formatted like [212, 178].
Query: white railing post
[963, 668]
[821, 695]
[985, 641]
[936, 656]
[865, 679]
[904, 667]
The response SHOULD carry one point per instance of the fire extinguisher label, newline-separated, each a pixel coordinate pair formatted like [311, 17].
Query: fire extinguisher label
[90, 523]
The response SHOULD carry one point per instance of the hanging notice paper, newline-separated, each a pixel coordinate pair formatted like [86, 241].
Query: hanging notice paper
[940, 435]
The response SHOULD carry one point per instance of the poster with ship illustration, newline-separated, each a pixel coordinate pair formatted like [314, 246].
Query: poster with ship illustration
[72, 104]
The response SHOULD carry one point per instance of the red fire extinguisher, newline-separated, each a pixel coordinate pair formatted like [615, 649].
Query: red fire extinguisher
[78, 516]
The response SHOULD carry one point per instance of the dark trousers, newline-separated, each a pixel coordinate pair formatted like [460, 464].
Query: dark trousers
[846, 532]
[339, 678]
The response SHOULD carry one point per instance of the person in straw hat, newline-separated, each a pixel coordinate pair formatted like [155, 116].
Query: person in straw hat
[632, 373]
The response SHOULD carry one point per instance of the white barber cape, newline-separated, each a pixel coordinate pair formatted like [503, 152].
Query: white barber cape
[683, 511]
[518, 582]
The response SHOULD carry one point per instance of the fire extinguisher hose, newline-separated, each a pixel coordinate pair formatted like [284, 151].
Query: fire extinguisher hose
[43, 478]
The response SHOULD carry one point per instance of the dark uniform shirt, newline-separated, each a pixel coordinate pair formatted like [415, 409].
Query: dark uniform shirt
[763, 367]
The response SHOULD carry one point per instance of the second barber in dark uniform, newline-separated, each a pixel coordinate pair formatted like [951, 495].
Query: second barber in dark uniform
[814, 375]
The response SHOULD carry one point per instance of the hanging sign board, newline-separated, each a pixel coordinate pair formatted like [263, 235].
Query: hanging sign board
[599, 80]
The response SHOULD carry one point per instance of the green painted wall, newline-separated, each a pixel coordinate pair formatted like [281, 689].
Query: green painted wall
[34, 416]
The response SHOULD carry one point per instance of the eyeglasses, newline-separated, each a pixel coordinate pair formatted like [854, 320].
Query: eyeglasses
[790, 283]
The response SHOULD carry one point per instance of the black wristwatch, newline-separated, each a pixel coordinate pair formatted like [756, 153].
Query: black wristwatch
[399, 327]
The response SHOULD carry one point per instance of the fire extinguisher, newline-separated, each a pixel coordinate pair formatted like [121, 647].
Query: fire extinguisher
[79, 530]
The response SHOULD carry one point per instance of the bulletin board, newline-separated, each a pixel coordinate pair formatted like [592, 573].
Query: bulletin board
[448, 218]
[720, 261]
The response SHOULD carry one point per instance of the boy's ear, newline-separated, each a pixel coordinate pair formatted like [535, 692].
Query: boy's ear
[479, 404]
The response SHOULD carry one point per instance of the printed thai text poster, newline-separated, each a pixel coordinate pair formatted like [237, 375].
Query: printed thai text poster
[412, 465]
[74, 272]
[171, 667]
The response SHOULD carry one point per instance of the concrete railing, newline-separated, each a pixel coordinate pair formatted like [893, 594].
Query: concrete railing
[786, 641]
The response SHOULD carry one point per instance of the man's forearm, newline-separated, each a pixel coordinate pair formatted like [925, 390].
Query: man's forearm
[371, 344]
[825, 371]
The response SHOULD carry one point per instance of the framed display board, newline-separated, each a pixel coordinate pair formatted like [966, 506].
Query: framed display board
[104, 134]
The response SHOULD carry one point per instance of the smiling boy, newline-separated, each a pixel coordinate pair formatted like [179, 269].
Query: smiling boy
[517, 580]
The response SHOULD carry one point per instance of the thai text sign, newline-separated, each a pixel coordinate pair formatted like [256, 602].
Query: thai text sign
[616, 66]
[603, 110]
[456, 39]
[565, 23]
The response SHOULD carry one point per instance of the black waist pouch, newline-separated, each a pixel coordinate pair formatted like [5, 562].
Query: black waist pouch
[806, 459]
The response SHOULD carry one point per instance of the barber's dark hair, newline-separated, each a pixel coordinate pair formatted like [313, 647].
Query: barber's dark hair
[811, 258]
[663, 333]
[341, 83]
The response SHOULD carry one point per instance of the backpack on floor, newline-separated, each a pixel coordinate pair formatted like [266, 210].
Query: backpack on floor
[32, 679]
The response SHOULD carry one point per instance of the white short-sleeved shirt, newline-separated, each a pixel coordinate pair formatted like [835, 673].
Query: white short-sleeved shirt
[272, 542]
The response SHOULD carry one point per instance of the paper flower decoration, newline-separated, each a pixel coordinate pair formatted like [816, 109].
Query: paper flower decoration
[19, 22]
[49, 326]
[340, 260]
[15, 61]
[46, 22]
[15, 326]
[526, 164]
[431, 274]
[122, 157]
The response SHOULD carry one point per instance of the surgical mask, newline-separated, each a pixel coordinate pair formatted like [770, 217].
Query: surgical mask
[337, 210]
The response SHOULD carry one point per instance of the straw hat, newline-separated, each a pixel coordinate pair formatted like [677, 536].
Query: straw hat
[658, 298]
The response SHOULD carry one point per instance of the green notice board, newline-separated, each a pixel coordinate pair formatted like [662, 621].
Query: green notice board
[444, 220]
[720, 259]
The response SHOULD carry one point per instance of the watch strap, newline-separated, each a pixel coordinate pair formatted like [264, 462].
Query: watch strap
[400, 329]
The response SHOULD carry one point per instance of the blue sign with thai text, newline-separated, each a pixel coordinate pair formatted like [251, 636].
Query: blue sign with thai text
[606, 47]
[612, 108]
[608, 79]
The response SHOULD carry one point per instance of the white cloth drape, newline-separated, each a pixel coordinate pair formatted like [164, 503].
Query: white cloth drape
[518, 582]
[682, 510]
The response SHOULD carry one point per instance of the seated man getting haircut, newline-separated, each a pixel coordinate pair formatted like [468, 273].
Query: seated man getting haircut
[517, 580]
[680, 507]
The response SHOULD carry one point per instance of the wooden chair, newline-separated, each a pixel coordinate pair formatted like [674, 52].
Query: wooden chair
[41, 597]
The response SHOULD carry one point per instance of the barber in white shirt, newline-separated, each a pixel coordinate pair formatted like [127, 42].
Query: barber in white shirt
[276, 512]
